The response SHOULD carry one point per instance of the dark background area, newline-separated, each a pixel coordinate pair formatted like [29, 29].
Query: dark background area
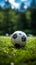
[11, 20]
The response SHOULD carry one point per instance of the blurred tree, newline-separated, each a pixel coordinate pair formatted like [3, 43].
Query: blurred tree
[33, 4]
[8, 24]
[33, 21]
[21, 23]
[28, 14]
[22, 7]
[0, 8]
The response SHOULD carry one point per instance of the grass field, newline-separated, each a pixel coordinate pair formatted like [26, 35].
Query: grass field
[22, 56]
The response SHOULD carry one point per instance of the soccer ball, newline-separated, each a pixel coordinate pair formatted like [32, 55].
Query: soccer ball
[19, 38]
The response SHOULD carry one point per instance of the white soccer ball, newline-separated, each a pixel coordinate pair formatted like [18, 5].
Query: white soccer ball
[19, 38]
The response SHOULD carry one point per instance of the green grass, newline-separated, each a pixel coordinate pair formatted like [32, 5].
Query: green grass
[22, 56]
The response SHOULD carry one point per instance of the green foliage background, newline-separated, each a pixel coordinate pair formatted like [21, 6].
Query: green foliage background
[11, 20]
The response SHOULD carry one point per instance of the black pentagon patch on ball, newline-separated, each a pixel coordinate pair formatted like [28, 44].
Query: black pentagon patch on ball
[15, 36]
[20, 34]
[23, 38]
[17, 45]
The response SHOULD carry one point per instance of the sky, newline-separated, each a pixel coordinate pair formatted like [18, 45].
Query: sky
[2, 0]
[17, 3]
